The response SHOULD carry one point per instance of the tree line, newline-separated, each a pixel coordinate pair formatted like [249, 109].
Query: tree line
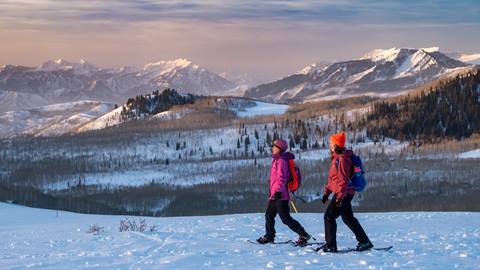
[450, 109]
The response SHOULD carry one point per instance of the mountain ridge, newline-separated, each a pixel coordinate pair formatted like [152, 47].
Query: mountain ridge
[57, 81]
[378, 72]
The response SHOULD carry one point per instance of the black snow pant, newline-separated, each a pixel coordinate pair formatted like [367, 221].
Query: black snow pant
[345, 210]
[281, 207]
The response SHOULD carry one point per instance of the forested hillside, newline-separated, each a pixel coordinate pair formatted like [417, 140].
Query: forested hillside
[157, 102]
[451, 109]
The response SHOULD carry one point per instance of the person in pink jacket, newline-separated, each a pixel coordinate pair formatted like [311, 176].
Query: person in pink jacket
[279, 196]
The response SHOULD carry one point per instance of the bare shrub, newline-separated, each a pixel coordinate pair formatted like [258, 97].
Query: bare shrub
[134, 225]
[95, 229]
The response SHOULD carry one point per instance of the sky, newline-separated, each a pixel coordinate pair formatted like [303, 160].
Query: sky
[264, 39]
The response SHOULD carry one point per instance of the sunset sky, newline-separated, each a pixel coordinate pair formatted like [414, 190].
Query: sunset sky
[266, 40]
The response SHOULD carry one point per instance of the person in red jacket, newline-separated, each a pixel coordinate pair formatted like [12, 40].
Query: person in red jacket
[339, 174]
[279, 196]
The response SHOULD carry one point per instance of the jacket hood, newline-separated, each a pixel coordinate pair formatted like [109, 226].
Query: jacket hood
[284, 155]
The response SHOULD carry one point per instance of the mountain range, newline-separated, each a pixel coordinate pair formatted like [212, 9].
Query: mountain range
[60, 81]
[379, 72]
[60, 96]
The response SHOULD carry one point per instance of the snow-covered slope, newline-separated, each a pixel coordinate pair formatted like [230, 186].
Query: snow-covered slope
[58, 81]
[262, 108]
[379, 72]
[471, 58]
[470, 154]
[108, 119]
[311, 67]
[51, 120]
[240, 106]
[37, 238]
[113, 118]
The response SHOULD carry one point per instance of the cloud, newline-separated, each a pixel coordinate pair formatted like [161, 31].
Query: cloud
[75, 12]
[267, 39]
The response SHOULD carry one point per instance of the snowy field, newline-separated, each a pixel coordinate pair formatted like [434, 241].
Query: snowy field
[470, 154]
[262, 108]
[37, 239]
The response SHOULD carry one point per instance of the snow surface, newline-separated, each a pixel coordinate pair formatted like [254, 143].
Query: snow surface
[38, 239]
[110, 118]
[169, 115]
[470, 154]
[135, 178]
[257, 108]
[50, 120]
[262, 108]
[382, 54]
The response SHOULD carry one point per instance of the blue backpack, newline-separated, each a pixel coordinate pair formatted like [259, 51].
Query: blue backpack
[357, 181]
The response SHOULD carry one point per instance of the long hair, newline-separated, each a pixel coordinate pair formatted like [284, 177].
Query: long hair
[337, 150]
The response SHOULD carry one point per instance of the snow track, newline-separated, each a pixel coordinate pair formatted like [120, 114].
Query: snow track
[37, 239]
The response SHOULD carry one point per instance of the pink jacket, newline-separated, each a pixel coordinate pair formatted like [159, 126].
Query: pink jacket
[339, 175]
[280, 174]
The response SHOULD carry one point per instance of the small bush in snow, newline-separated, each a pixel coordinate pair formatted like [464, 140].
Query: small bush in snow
[134, 226]
[95, 229]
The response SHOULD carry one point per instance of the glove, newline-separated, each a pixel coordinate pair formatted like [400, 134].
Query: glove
[324, 198]
[338, 203]
[277, 195]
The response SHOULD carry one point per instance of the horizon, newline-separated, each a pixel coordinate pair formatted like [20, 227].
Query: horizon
[266, 40]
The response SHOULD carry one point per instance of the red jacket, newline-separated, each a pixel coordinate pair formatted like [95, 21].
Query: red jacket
[339, 175]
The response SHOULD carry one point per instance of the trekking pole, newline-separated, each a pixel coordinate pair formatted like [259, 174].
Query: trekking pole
[296, 211]
[297, 197]
[294, 207]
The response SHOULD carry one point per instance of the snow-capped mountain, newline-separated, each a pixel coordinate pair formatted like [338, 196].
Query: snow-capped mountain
[82, 67]
[314, 66]
[241, 79]
[379, 72]
[185, 76]
[58, 81]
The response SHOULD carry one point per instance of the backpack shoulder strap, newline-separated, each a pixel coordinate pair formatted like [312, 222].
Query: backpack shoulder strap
[337, 162]
[291, 165]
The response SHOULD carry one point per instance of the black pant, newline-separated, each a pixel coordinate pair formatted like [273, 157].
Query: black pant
[283, 210]
[345, 210]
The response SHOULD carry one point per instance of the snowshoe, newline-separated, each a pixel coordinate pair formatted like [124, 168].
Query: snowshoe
[365, 246]
[265, 240]
[329, 249]
[302, 240]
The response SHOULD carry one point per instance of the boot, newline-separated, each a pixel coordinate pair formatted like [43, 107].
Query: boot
[365, 246]
[329, 249]
[265, 240]
[302, 240]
